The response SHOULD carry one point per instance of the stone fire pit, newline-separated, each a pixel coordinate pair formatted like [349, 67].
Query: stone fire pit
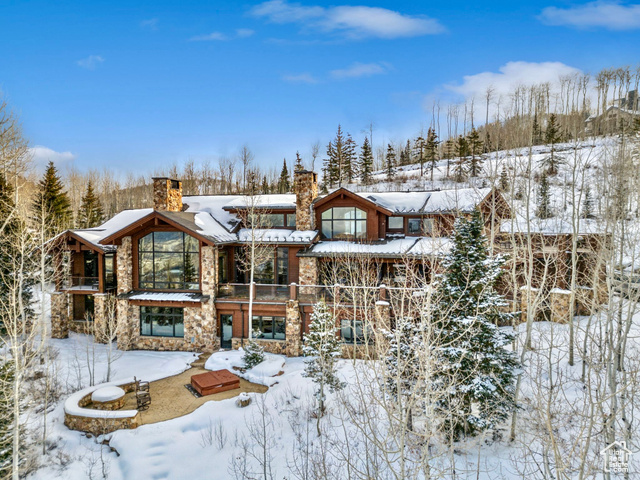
[108, 398]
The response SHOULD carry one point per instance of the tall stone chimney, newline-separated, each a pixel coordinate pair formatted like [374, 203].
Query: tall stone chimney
[167, 194]
[305, 184]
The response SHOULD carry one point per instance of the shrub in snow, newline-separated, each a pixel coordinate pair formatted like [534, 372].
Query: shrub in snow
[243, 400]
[476, 376]
[322, 348]
[253, 354]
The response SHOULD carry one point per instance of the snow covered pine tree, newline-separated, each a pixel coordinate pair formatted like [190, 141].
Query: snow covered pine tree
[322, 348]
[476, 373]
[253, 354]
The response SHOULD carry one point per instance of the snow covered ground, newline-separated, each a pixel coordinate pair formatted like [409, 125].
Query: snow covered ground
[216, 440]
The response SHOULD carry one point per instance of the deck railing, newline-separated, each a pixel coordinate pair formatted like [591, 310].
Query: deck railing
[84, 283]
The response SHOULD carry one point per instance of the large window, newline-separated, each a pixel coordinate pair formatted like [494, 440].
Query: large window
[109, 271]
[274, 220]
[396, 223]
[273, 270]
[421, 226]
[162, 321]
[270, 328]
[352, 331]
[168, 261]
[344, 223]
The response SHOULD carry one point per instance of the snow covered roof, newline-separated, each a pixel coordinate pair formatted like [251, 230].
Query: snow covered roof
[277, 235]
[118, 222]
[166, 296]
[214, 206]
[394, 248]
[441, 201]
[549, 226]
[284, 201]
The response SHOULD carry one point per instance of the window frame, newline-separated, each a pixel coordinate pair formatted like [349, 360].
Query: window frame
[352, 324]
[173, 316]
[396, 217]
[332, 220]
[259, 320]
[154, 252]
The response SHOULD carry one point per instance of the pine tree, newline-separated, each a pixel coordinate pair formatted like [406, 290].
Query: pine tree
[432, 149]
[334, 163]
[475, 381]
[265, 185]
[536, 131]
[90, 213]
[6, 425]
[552, 136]
[405, 155]
[298, 166]
[587, 203]
[366, 163]
[322, 348]
[253, 354]
[402, 362]
[420, 152]
[544, 201]
[52, 202]
[504, 179]
[390, 162]
[284, 184]
[462, 151]
[475, 150]
[350, 169]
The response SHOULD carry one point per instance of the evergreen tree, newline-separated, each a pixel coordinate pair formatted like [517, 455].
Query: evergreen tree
[90, 214]
[475, 381]
[265, 185]
[587, 203]
[366, 163]
[402, 362]
[322, 348]
[462, 151]
[544, 200]
[298, 166]
[334, 163]
[552, 136]
[475, 150]
[390, 162]
[350, 168]
[420, 152]
[284, 184]
[52, 202]
[405, 154]
[432, 149]
[536, 131]
[253, 354]
[504, 179]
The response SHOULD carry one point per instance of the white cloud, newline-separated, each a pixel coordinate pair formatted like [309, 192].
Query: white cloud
[42, 155]
[213, 36]
[361, 70]
[350, 21]
[612, 15]
[151, 23]
[300, 78]
[244, 32]
[91, 62]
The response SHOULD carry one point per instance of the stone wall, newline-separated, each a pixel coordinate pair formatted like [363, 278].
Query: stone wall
[59, 315]
[166, 198]
[124, 270]
[305, 186]
[279, 347]
[100, 326]
[308, 268]
[293, 329]
[559, 301]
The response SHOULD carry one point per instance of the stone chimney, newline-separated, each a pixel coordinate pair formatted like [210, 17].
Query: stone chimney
[305, 184]
[167, 194]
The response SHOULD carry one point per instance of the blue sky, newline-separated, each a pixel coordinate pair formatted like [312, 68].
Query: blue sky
[139, 85]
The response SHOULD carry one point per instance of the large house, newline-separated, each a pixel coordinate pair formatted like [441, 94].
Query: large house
[178, 270]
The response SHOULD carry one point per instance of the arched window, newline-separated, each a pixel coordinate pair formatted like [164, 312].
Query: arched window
[168, 261]
[344, 223]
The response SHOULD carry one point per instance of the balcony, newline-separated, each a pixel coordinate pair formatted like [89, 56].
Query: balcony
[84, 283]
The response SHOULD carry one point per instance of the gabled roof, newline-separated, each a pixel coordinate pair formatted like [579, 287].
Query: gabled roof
[356, 197]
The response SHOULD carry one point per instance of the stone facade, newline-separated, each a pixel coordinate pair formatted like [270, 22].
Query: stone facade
[167, 194]
[526, 295]
[559, 301]
[124, 270]
[100, 326]
[293, 329]
[59, 315]
[279, 347]
[308, 268]
[305, 185]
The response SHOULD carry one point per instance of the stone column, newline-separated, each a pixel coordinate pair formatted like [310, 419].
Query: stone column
[560, 300]
[59, 315]
[293, 329]
[524, 293]
[208, 331]
[124, 260]
[100, 333]
[308, 268]
[305, 185]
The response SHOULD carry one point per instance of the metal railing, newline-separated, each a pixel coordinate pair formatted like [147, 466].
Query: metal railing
[84, 283]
